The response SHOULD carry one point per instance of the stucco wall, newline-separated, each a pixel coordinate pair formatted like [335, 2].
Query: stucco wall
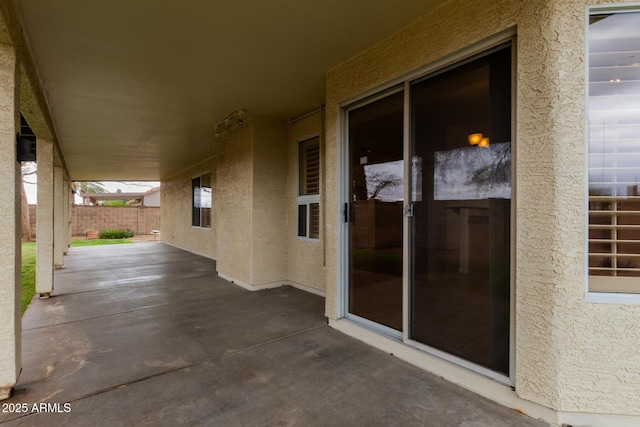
[249, 215]
[270, 227]
[176, 212]
[231, 171]
[253, 232]
[305, 258]
[10, 290]
[234, 203]
[570, 355]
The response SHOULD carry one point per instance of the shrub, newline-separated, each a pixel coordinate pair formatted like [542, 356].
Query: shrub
[115, 203]
[116, 233]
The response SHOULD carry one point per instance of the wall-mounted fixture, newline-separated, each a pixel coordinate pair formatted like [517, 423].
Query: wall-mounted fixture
[25, 148]
[25, 142]
[478, 139]
[229, 123]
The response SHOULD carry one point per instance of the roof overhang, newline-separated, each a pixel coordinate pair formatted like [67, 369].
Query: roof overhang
[135, 88]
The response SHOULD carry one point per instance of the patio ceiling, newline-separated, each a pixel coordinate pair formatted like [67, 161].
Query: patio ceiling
[135, 88]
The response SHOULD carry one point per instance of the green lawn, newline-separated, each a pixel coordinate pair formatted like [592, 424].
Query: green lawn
[28, 273]
[96, 242]
[29, 265]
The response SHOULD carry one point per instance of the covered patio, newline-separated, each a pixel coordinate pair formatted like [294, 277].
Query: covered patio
[148, 334]
[501, 250]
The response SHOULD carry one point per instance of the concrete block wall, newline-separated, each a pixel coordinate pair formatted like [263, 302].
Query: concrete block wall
[139, 219]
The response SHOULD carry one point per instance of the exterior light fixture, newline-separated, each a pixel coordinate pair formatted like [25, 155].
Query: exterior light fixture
[229, 123]
[25, 148]
[484, 142]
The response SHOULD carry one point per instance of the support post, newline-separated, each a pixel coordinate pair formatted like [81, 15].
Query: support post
[67, 215]
[58, 217]
[70, 217]
[44, 221]
[10, 224]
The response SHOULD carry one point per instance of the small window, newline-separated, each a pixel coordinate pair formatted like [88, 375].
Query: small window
[201, 206]
[308, 199]
[614, 152]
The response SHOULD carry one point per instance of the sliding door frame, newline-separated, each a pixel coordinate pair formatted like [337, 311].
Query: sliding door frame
[346, 184]
[403, 84]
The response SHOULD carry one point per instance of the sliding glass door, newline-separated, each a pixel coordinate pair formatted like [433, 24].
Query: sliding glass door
[432, 252]
[461, 141]
[374, 210]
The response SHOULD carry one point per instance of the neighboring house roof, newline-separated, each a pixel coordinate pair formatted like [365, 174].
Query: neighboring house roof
[94, 198]
[112, 196]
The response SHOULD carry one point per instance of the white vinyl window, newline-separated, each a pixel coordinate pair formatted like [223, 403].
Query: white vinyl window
[308, 200]
[614, 152]
[201, 201]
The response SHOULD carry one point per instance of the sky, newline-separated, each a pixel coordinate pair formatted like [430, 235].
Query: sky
[111, 187]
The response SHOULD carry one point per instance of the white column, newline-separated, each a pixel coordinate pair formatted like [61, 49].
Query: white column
[70, 218]
[44, 221]
[58, 217]
[10, 227]
[67, 216]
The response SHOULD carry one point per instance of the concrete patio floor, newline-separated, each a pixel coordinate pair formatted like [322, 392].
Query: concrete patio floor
[147, 334]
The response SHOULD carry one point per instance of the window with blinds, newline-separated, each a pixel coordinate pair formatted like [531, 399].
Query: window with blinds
[614, 152]
[308, 199]
[201, 201]
[309, 167]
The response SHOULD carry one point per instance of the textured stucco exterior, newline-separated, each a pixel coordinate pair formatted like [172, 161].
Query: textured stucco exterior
[10, 249]
[571, 355]
[44, 214]
[234, 175]
[249, 227]
[176, 214]
[59, 238]
[269, 207]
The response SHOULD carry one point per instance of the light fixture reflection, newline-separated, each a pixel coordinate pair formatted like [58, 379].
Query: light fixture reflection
[478, 139]
[475, 138]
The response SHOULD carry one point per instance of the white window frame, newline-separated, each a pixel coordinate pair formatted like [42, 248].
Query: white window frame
[200, 226]
[307, 200]
[602, 296]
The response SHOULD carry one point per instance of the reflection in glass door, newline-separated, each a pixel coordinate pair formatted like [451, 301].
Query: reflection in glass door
[461, 148]
[375, 211]
[456, 124]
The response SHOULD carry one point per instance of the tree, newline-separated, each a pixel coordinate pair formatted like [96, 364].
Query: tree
[88, 187]
[485, 170]
[378, 181]
[28, 170]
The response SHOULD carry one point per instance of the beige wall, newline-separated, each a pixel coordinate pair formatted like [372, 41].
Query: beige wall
[176, 212]
[234, 176]
[10, 248]
[304, 258]
[250, 224]
[270, 228]
[571, 355]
